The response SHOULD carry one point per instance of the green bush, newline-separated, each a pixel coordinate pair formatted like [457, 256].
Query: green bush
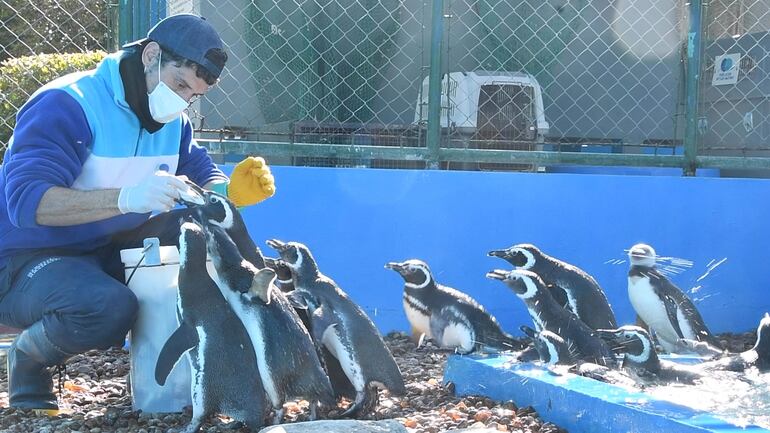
[20, 77]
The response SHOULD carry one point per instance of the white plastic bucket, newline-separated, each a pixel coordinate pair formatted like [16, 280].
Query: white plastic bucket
[155, 286]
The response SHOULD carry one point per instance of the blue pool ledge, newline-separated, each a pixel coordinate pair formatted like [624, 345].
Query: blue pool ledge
[578, 404]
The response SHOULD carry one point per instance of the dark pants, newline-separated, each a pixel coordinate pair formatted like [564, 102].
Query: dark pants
[81, 298]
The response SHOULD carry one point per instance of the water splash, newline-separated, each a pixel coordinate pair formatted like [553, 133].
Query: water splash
[710, 267]
[742, 399]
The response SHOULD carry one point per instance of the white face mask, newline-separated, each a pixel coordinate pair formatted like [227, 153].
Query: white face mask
[165, 104]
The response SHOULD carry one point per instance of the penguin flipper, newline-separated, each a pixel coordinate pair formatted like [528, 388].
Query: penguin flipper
[183, 339]
[341, 385]
[365, 402]
[322, 319]
[673, 318]
[560, 296]
[297, 300]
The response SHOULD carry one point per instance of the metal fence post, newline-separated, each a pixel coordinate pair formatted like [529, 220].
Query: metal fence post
[125, 21]
[434, 83]
[694, 62]
[135, 18]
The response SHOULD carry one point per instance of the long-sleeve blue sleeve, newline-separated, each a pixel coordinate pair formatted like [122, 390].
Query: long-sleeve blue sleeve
[194, 161]
[49, 146]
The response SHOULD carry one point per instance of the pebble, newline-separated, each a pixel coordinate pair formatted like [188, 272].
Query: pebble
[98, 400]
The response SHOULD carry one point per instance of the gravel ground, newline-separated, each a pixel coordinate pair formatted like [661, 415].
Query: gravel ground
[95, 401]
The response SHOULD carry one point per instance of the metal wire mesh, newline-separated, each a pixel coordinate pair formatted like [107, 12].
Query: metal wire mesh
[45, 27]
[734, 113]
[609, 74]
[606, 76]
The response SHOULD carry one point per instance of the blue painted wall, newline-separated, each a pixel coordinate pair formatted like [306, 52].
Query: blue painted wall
[356, 220]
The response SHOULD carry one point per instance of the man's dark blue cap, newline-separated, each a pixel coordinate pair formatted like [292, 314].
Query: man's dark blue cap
[189, 36]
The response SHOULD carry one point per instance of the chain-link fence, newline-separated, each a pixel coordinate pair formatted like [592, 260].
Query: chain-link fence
[343, 81]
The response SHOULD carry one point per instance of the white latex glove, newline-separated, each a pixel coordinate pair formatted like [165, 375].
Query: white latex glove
[154, 194]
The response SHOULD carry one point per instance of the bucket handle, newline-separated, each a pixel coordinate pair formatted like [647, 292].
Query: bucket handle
[151, 247]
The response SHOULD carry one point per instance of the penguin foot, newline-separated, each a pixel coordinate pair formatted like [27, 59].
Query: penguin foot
[421, 341]
[278, 417]
[193, 427]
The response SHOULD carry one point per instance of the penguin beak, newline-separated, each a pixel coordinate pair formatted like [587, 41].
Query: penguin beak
[498, 253]
[193, 196]
[498, 274]
[398, 267]
[610, 336]
[277, 245]
[529, 332]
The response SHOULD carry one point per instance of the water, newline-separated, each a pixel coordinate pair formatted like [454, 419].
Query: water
[740, 398]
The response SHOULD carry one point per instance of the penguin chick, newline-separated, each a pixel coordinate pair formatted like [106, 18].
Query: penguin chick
[570, 286]
[447, 316]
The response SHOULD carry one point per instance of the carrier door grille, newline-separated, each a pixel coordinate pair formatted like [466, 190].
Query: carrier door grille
[505, 112]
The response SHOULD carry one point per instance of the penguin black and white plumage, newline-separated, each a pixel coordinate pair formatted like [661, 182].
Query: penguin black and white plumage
[225, 377]
[570, 286]
[282, 274]
[447, 316]
[343, 329]
[641, 360]
[757, 357]
[220, 211]
[547, 315]
[667, 311]
[551, 348]
[285, 352]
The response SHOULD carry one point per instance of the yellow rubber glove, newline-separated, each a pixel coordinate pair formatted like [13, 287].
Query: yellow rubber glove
[251, 182]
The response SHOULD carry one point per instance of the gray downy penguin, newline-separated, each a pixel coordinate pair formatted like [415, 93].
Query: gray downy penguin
[666, 310]
[225, 377]
[447, 316]
[218, 210]
[641, 360]
[285, 352]
[344, 330]
[570, 286]
[547, 315]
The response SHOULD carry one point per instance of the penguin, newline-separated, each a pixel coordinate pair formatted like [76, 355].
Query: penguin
[547, 315]
[641, 360]
[282, 272]
[225, 376]
[551, 348]
[350, 337]
[666, 310]
[757, 357]
[285, 353]
[570, 286]
[219, 210]
[451, 318]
